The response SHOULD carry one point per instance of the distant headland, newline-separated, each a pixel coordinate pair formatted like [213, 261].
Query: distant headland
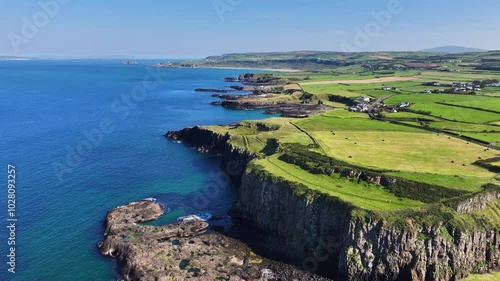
[14, 58]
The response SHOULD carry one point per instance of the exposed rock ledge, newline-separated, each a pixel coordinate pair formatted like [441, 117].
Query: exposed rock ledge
[181, 251]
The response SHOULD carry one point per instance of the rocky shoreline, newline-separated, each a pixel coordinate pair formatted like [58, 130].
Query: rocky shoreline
[187, 250]
[318, 230]
[268, 93]
[351, 243]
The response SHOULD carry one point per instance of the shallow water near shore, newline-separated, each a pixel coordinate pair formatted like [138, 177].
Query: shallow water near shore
[46, 107]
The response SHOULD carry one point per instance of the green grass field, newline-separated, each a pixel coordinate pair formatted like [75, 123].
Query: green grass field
[327, 123]
[448, 77]
[437, 149]
[433, 98]
[375, 93]
[484, 277]
[410, 152]
[405, 151]
[487, 137]
[341, 73]
[457, 113]
[492, 104]
[248, 135]
[410, 115]
[464, 127]
[452, 181]
[363, 195]
[339, 113]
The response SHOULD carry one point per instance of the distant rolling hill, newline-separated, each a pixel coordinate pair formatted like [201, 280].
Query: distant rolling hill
[14, 58]
[453, 50]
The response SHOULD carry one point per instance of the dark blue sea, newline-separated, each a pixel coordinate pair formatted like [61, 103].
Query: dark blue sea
[87, 136]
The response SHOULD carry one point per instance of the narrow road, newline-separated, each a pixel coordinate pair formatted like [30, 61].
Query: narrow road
[376, 103]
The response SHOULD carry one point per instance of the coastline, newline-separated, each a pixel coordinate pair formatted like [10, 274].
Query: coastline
[360, 239]
[284, 70]
[19, 59]
[251, 68]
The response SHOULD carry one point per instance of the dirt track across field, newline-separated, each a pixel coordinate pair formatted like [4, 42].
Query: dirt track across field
[382, 57]
[363, 81]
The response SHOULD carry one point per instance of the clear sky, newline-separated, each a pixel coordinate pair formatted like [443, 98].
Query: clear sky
[198, 28]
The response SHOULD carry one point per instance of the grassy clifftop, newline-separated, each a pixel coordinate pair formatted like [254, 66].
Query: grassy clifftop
[397, 161]
[425, 185]
[485, 277]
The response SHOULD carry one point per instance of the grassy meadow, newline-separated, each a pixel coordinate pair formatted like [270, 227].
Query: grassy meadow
[363, 195]
[484, 277]
[436, 141]
[406, 165]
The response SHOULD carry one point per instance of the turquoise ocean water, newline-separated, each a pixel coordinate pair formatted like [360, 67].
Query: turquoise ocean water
[48, 108]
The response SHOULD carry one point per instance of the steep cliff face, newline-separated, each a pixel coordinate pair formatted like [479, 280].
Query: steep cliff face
[354, 244]
[305, 226]
[374, 252]
[363, 248]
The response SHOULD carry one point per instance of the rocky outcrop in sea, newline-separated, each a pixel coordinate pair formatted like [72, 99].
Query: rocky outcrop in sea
[187, 250]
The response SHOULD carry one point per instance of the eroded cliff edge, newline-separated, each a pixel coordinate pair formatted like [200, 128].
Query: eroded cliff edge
[445, 241]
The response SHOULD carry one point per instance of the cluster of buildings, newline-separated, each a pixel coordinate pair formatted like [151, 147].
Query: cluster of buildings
[399, 106]
[439, 91]
[362, 106]
[464, 87]
[364, 99]
[457, 87]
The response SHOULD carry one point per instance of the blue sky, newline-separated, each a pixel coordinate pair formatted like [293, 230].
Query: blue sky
[191, 29]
